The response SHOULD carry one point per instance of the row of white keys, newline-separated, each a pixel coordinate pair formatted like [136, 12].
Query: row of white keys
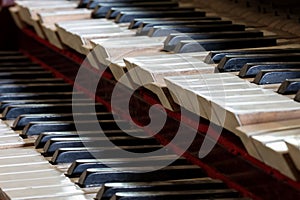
[25, 174]
[221, 105]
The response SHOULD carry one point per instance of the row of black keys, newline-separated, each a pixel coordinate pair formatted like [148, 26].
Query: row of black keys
[48, 115]
[155, 18]
[198, 33]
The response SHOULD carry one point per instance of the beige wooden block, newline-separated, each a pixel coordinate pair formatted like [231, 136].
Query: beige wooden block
[293, 144]
[274, 151]
[178, 95]
[163, 95]
[121, 74]
[245, 132]
[14, 11]
[52, 36]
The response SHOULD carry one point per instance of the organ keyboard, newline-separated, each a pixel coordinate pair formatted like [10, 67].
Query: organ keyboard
[196, 63]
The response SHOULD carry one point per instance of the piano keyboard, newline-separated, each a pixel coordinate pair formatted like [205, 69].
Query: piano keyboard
[178, 50]
[33, 116]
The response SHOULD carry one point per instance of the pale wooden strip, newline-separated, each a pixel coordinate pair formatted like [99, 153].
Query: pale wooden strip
[260, 113]
[110, 50]
[43, 181]
[156, 73]
[28, 175]
[42, 192]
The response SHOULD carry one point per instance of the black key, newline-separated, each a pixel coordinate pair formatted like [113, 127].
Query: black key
[218, 44]
[158, 31]
[7, 103]
[114, 12]
[297, 97]
[10, 53]
[109, 189]
[217, 56]
[14, 58]
[79, 166]
[40, 95]
[236, 62]
[45, 136]
[20, 69]
[275, 76]
[99, 176]
[23, 120]
[17, 64]
[93, 141]
[36, 128]
[38, 87]
[184, 195]
[55, 143]
[252, 69]
[25, 75]
[124, 17]
[174, 38]
[145, 27]
[290, 86]
[14, 111]
[135, 23]
[69, 155]
[103, 8]
[31, 81]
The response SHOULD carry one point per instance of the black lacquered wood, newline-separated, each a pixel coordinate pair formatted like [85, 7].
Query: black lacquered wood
[135, 23]
[158, 31]
[217, 56]
[101, 9]
[40, 95]
[98, 176]
[79, 166]
[275, 76]
[145, 27]
[187, 46]
[174, 38]
[124, 17]
[236, 62]
[290, 86]
[69, 155]
[36, 128]
[14, 111]
[94, 141]
[23, 120]
[183, 195]
[252, 69]
[110, 189]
